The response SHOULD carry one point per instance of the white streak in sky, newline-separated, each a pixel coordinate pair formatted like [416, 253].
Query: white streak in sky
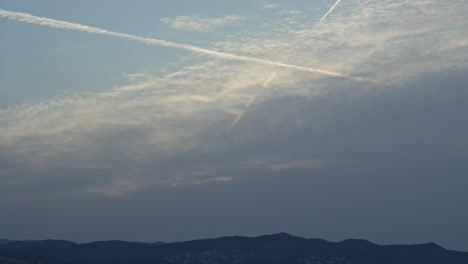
[268, 81]
[329, 11]
[242, 112]
[31, 19]
[238, 117]
[251, 100]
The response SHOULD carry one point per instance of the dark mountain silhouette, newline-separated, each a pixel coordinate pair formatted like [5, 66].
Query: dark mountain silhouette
[4, 241]
[279, 248]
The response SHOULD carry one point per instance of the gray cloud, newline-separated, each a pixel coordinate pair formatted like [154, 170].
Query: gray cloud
[160, 117]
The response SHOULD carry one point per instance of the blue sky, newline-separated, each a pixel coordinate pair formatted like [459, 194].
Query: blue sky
[267, 120]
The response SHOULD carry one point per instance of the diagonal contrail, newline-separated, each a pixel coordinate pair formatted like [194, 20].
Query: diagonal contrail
[43, 21]
[251, 100]
[329, 11]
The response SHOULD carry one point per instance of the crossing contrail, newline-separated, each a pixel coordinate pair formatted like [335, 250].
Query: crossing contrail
[251, 100]
[329, 11]
[43, 21]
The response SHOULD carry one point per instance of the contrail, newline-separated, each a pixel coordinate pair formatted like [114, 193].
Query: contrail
[329, 11]
[268, 81]
[251, 100]
[238, 117]
[242, 112]
[43, 21]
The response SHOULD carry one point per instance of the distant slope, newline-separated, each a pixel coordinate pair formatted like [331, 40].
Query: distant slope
[4, 241]
[278, 249]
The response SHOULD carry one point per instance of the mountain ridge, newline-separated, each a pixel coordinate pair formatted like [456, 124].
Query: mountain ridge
[280, 248]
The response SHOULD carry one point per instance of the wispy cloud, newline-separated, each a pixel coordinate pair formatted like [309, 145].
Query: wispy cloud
[28, 18]
[120, 188]
[301, 164]
[268, 5]
[199, 23]
[135, 136]
[213, 180]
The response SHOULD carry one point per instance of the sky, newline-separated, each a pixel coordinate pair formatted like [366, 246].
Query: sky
[176, 120]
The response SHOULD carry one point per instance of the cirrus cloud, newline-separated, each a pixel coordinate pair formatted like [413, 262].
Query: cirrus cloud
[198, 23]
[134, 137]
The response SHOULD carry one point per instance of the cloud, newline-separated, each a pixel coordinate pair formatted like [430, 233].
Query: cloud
[116, 189]
[200, 23]
[135, 137]
[301, 164]
[268, 5]
[212, 180]
[289, 12]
